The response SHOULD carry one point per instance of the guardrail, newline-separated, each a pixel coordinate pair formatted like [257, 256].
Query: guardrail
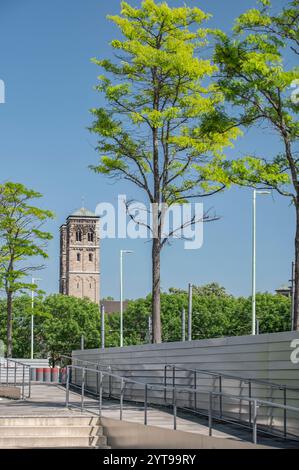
[253, 403]
[83, 361]
[6, 368]
[220, 377]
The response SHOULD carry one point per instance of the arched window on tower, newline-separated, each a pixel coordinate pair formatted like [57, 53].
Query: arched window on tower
[90, 257]
[78, 257]
[78, 236]
[90, 236]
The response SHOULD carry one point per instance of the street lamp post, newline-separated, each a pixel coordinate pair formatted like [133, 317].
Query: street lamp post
[34, 279]
[255, 192]
[190, 312]
[122, 252]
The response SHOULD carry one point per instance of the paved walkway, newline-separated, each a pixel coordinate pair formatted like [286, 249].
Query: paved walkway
[50, 400]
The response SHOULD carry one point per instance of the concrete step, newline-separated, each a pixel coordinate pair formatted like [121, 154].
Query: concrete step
[49, 421]
[33, 442]
[50, 431]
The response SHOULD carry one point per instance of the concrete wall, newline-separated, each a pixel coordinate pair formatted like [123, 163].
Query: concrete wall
[266, 357]
[127, 435]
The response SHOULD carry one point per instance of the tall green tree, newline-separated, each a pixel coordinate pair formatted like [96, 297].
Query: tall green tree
[64, 320]
[21, 239]
[213, 288]
[257, 79]
[152, 130]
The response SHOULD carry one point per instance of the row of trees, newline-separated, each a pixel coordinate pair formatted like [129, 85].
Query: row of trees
[61, 321]
[172, 109]
[21, 241]
[173, 106]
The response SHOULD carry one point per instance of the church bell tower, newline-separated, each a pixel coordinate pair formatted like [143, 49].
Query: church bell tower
[80, 256]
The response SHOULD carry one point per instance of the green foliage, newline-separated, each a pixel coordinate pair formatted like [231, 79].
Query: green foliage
[21, 238]
[158, 87]
[215, 314]
[212, 288]
[256, 77]
[20, 235]
[60, 321]
[155, 129]
[21, 324]
[65, 320]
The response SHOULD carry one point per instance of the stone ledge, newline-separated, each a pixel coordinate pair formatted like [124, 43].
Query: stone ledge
[10, 392]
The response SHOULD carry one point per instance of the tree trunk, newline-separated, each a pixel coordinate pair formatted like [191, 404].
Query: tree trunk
[9, 324]
[156, 316]
[296, 294]
[156, 247]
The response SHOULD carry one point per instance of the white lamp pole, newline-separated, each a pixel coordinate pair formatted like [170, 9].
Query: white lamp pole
[121, 296]
[34, 279]
[255, 192]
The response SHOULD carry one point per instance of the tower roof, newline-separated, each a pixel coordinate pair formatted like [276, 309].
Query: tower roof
[83, 212]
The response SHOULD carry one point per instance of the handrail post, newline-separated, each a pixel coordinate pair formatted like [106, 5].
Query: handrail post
[254, 427]
[220, 396]
[145, 404]
[121, 399]
[210, 413]
[67, 388]
[110, 383]
[82, 388]
[15, 378]
[97, 377]
[165, 382]
[173, 383]
[250, 403]
[23, 383]
[195, 380]
[285, 412]
[6, 371]
[174, 410]
[100, 392]
[29, 382]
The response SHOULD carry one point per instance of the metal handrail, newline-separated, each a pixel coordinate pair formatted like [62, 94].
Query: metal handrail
[236, 377]
[23, 382]
[252, 401]
[220, 376]
[96, 363]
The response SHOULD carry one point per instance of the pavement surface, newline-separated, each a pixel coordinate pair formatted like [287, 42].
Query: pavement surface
[49, 399]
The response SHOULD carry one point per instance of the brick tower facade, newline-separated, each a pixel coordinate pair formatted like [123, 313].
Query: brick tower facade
[80, 256]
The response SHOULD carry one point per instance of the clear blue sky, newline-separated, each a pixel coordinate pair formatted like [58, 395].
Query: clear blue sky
[44, 61]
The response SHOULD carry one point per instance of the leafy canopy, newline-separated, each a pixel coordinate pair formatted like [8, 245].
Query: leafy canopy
[257, 78]
[21, 236]
[160, 101]
[60, 320]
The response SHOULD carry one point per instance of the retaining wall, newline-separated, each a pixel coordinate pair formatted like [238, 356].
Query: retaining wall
[272, 357]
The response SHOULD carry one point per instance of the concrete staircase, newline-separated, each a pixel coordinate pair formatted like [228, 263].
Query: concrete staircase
[51, 432]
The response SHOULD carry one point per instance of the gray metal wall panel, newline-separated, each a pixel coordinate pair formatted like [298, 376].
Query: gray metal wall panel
[264, 357]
